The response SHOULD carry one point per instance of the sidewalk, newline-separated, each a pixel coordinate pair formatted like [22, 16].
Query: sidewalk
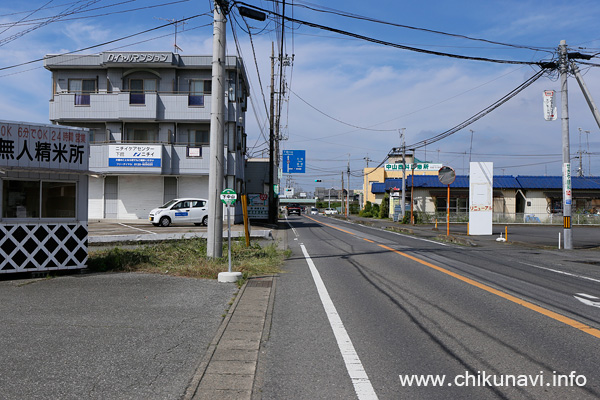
[229, 367]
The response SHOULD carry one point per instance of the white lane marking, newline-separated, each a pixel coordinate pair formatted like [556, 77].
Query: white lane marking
[589, 296]
[396, 233]
[587, 300]
[133, 227]
[358, 375]
[562, 272]
[291, 226]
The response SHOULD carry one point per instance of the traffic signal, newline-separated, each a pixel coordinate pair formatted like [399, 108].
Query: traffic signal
[318, 180]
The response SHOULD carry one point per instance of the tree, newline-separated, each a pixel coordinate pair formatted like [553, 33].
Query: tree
[384, 210]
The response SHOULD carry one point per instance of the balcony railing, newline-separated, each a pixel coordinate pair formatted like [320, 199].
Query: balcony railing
[130, 105]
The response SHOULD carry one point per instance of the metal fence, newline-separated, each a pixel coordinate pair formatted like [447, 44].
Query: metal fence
[505, 218]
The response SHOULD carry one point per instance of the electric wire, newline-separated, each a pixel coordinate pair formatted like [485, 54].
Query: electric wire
[115, 12]
[101, 44]
[328, 10]
[480, 114]
[338, 120]
[396, 45]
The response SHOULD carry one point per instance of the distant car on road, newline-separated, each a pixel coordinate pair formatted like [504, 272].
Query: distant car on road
[330, 211]
[294, 208]
[180, 211]
[314, 211]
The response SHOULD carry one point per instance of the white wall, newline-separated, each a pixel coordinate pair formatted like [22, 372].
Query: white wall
[96, 198]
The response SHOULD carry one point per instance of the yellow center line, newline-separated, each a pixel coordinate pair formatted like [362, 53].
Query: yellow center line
[551, 314]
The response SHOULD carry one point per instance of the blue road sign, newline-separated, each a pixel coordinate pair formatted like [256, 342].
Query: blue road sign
[294, 161]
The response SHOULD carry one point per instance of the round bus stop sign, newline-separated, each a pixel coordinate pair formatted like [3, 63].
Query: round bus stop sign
[228, 197]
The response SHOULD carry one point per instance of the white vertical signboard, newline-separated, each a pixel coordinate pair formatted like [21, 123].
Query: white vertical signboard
[549, 106]
[481, 183]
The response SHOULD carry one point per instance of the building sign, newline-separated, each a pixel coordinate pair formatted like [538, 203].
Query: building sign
[50, 147]
[550, 113]
[416, 167]
[134, 155]
[294, 161]
[137, 57]
[258, 206]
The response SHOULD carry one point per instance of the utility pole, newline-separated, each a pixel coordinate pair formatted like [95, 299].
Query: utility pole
[214, 247]
[343, 192]
[403, 172]
[566, 179]
[580, 170]
[272, 204]
[348, 192]
[471, 147]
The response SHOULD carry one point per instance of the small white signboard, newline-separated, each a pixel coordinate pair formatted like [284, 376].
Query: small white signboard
[550, 113]
[481, 206]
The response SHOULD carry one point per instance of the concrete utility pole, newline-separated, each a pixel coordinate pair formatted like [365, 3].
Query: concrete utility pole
[403, 173]
[566, 179]
[348, 192]
[272, 204]
[214, 247]
[342, 208]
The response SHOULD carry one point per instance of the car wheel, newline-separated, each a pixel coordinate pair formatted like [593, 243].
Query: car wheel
[205, 220]
[165, 221]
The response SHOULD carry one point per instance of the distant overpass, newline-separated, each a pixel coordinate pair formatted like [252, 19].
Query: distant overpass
[302, 202]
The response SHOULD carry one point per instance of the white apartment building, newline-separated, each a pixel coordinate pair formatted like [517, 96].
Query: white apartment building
[149, 119]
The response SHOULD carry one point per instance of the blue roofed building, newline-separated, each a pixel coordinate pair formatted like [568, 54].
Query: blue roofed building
[536, 198]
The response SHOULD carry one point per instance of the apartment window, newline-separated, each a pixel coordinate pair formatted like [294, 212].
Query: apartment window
[198, 89]
[138, 89]
[142, 136]
[82, 89]
[32, 199]
[197, 138]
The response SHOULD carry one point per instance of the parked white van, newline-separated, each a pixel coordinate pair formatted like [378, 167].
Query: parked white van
[180, 211]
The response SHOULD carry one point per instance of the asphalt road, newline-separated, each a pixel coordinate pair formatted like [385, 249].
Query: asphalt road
[416, 308]
[106, 336]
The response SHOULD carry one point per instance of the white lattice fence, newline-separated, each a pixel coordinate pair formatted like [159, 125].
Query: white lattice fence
[42, 247]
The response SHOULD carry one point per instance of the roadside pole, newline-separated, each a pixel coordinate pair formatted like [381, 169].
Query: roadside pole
[214, 244]
[566, 157]
[403, 173]
[228, 198]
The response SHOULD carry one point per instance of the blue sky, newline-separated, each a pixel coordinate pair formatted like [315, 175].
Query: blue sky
[340, 84]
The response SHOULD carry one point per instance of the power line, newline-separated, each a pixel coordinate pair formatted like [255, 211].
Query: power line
[480, 114]
[338, 120]
[101, 44]
[396, 45]
[328, 10]
[30, 22]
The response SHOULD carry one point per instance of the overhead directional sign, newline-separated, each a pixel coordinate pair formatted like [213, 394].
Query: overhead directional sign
[294, 161]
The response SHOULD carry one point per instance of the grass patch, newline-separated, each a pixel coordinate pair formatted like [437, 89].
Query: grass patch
[188, 258]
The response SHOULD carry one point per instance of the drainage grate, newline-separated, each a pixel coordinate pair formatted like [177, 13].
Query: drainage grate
[259, 283]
